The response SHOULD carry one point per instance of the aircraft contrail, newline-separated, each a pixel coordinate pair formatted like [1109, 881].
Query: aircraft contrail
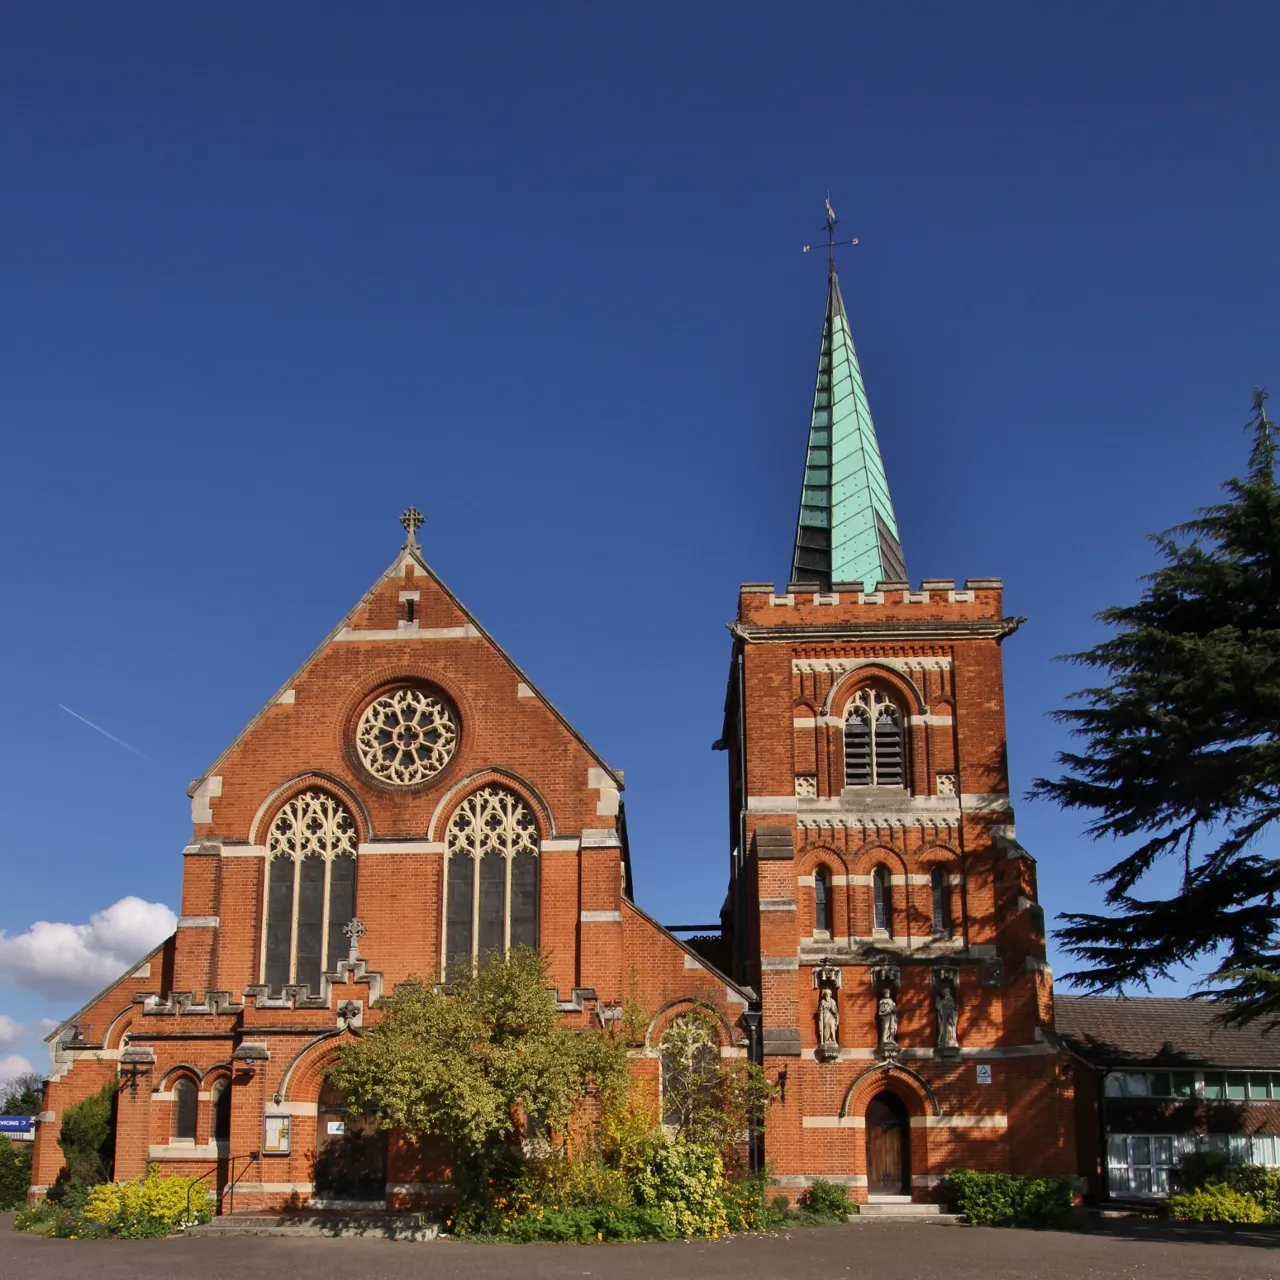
[112, 736]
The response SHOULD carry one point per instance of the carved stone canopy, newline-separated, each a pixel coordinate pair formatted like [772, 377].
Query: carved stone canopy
[945, 975]
[827, 975]
[886, 975]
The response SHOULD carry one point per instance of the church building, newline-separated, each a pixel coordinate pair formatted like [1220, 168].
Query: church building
[410, 798]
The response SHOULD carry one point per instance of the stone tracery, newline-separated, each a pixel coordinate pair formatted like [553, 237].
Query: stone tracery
[406, 737]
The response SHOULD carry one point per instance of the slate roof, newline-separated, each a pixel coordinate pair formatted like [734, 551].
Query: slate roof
[1160, 1031]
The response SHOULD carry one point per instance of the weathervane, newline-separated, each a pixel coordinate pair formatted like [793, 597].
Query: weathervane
[412, 520]
[830, 228]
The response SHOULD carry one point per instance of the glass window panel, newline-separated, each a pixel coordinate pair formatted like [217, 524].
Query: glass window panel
[1140, 1180]
[882, 906]
[1161, 1150]
[1160, 1084]
[310, 921]
[1160, 1181]
[941, 902]
[279, 921]
[493, 894]
[342, 907]
[1235, 1086]
[1118, 1150]
[1137, 1084]
[1213, 1084]
[461, 891]
[1113, 1086]
[1140, 1150]
[524, 900]
[221, 1098]
[821, 900]
[1259, 1086]
[1182, 1083]
[184, 1108]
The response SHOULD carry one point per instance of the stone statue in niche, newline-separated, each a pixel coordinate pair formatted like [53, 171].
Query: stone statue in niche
[828, 1023]
[944, 1002]
[887, 1018]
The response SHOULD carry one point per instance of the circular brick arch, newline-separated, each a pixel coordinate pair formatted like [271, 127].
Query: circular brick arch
[673, 1009]
[911, 1088]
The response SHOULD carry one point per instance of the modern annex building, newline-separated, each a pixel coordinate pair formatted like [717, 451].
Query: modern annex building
[409, 797]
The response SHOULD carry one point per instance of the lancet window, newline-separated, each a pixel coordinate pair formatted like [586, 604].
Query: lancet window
[311, 889]
[881, 900]
[874, 741]
[941, 890]
[185, 1097]
[822, 900]
[491, 876]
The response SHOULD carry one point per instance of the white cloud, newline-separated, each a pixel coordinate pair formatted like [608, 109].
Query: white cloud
[10, 1032]
[13, 1065]
[69, 961]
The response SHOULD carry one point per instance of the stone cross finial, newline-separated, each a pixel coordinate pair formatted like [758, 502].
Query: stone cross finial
[354, 929]
[412, 521]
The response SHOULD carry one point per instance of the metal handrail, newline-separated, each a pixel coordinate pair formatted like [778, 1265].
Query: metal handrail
[250, 1156]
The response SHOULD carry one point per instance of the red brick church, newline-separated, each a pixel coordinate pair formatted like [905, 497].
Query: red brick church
[409, 796]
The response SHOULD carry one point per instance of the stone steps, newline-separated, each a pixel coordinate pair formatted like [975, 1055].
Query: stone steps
[908, 1211]
[380, 1226]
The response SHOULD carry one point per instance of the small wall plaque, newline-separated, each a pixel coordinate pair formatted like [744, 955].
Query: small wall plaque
[984, 1073]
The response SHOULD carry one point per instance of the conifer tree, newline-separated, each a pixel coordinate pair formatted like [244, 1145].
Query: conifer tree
[1181, 751]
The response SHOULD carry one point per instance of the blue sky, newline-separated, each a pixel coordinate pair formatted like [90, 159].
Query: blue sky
[271, 273]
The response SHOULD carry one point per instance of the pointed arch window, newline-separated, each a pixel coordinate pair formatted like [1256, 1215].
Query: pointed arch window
[939, 884]
[311, 889]
[881, 900]
[491, 877]
[220, 1096]
[822, 901]
[185, 1096]
[874, 741]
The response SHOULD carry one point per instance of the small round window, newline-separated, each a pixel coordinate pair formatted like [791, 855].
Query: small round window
[406, 736]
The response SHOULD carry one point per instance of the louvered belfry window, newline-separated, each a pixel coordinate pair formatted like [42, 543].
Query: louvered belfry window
[311, 889]
[874, 742]
[491, 881]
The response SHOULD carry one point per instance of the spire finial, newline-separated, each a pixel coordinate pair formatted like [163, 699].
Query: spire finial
[829, 225]
[412, 520]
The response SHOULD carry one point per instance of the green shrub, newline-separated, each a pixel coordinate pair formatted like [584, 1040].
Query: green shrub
[748, 1208]
[1199, 1168]
[88, 1137]
[15, 1173]
[781, 1205]
[826, 1199]
[145, 1207]
[1011, 1200]
[1216, 1202]
[1260, 1184]
[684, 1181]
[587, 1224]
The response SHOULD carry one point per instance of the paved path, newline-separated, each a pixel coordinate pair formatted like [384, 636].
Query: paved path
[879, 1250]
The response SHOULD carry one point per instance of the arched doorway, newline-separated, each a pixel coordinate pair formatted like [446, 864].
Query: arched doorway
[351, 1151]
[888, 1146]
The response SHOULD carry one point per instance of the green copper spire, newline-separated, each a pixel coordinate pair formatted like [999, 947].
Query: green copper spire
[846, 531]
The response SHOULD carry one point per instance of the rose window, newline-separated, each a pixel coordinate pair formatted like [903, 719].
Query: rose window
[406, 737]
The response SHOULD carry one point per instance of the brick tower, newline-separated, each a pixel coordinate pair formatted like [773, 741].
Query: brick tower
[879, 900]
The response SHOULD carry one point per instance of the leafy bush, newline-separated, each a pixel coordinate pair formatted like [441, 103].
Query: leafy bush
[826, 1200]
[15, 1173]
[1216, 1202]
[747, 1205]
[1202, 1170]
[88, 1137]
[150, 1206]
[684, 1181]
[599, 1222]
[1010, 1200]
[781, 1205]
[145, 1207]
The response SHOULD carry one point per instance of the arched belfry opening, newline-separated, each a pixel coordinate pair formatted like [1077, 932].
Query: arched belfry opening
[888, 1134]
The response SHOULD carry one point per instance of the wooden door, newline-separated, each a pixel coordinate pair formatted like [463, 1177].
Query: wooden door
[887, 1150]
[351, 1151]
